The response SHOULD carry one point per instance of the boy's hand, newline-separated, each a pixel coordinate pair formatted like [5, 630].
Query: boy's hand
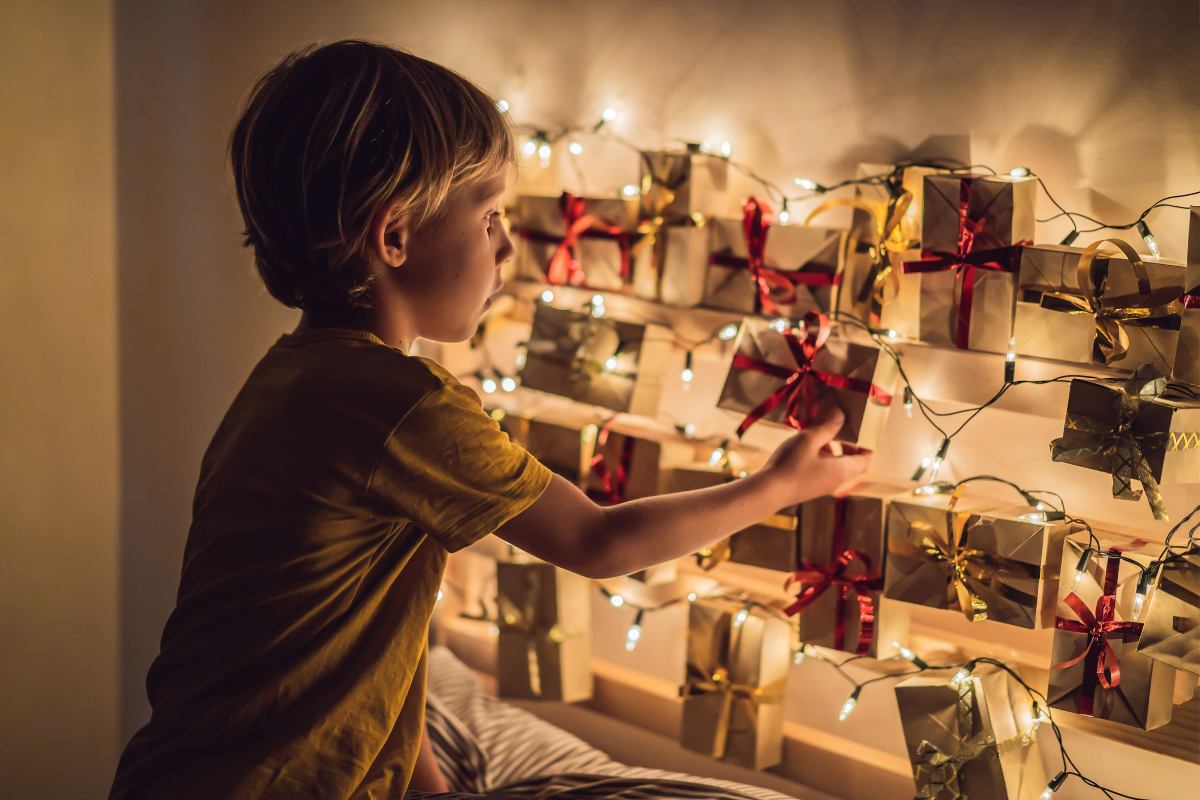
[803, 466]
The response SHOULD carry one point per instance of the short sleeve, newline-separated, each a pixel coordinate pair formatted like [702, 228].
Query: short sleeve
[449, 469]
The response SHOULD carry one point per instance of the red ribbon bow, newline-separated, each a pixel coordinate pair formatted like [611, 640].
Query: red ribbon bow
[1101, 664]
[966, 261]
[800, 388]
[564, 267]
[613, 481]
[820, 577]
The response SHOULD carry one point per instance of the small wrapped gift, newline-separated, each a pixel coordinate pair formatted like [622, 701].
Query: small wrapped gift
[565, 451]
[1096, 669]
[1137, 429]
[545, 646]
[737, 666]
[842, 556]
[679, 184]
[770, 544]
[984, 561]
[622, 467]
[574, 240]
[1187, 357]
[971, 234]
[1116, 309]
[782, 378]
[604, 362]
[776, 270]
[1171, 621]
[671, 264]
[971, 739]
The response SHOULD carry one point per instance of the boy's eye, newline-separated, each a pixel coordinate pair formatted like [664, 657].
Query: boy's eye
[493, 220]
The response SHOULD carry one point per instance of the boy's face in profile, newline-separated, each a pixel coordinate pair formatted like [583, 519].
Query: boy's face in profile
[451, 267]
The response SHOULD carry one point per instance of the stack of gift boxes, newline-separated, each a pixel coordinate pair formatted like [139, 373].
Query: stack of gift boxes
[942, 257]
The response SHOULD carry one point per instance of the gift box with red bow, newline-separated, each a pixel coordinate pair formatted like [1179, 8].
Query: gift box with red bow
[790, 378]
[601, 361]
[979, 558]
[574, 240]
[971, 233]
[842, 555]
[773, 270]
[1096, 669]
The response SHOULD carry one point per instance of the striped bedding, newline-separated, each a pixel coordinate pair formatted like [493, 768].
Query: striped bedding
[485, 746]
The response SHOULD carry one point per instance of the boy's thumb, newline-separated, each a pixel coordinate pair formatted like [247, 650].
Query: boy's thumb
[826, 426]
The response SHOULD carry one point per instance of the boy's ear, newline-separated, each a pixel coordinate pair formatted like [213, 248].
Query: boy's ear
[387, 239]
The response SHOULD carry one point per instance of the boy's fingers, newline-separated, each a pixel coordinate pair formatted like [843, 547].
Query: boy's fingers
[826, 426]
[854, 465]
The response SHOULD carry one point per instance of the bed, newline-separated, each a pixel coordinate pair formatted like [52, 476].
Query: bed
[486, 746]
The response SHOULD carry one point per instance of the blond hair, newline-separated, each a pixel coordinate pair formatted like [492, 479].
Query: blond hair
[334, 133]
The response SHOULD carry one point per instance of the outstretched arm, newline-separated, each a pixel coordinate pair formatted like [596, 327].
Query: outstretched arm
[566, 528]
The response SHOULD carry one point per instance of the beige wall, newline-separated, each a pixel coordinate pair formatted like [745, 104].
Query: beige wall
[58, 401]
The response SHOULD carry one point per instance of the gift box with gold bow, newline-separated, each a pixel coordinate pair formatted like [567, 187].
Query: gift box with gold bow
[1096, 669]
[1110, 307]
[545, 646]
[677, 185]
[842, 553]
[737, 666]
[1187, 357]
[1171, 618]
[1137, 429]
[974, 739]
[789, 378]
[971, 233]
[982, 559]
[574, 240]
[604, 362]
[773, 270]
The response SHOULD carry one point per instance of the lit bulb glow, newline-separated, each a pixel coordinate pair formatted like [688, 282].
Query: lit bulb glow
[1053, 786]
[544, 151]
[609, 114]
[508, 384]
[726, 149]
[716, 456]
[631, 190]
[529, 148]
[850, 703]
[597, 299]
[1081, 568]
[806, 184]
[779, 325]
[728, 332]
[617, 600]
[1143, 588]
[522, 357]
[799, 657]
[689, 429]
[498, 414]
[632, 636]
[1040, 506]
[925, 462]
[692, 597]
[502, 106]
[783, 217]
[440, 595]
[686, 375]
[611, 363]
[598, 311]
[908, 407]
[739, 618]
[1019, 172]
[1148, 238]
[547, 296]
[960, 676]
[575, 148]
[488, 385]
[705, 147]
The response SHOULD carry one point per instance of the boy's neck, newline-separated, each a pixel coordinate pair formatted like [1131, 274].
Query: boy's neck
[382, 326]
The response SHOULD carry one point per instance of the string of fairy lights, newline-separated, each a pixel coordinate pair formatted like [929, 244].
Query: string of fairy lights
[540, 142]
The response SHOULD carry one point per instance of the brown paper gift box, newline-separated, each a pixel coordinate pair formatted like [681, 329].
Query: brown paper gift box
[737, 666]
[1142, 698]
[538, 227]
[1109, 422]
[557, 447]
[817, 252]
[636, 458]
[862, 511]
[976, 739]
[770, 544]
[1187, 357]
[1047, 327]
[978, 558]
[568, 354]
[1171, 619]
[678, 184]
[545, 646]
[671, 265]
[865, 415]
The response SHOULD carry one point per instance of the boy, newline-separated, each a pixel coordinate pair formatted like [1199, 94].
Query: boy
[293, 664]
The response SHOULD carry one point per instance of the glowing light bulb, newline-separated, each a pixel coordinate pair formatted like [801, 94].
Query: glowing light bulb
[960, 676]
[909, 655]
[635, 631]
[617, 601]
[717, 454]
[807, 185]
[687, 373]
[547, 296]
[783, 217]
[939, 459]
[925, 462]
[631, 190]
[597, 299]
[728, 332]
[1010, 361]
[1019, 172]
[440, 595]
[488, 385]
[799, 656]
[529, 148]
[1081, 568]
[521, 358]
[705, 147]
[890, 335]
[908, 406]
[1052, 787]
[779, 325]
[850, 703]
[498, 414]
[574, 148]
[508, 384]
[1040, 506]
[502, 106]
[610, 363]
[1143, 588]
[689, 429]
[726, 149]
[598, 311]
[544, 151]
[692, 597]
[1148, 237]
[609, 114]
[740, 617]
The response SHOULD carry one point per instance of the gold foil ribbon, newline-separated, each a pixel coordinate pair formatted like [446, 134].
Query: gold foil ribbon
[1112, 315]
[657, 194]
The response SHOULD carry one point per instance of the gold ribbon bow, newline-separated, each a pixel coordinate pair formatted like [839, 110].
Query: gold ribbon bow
[1118, 445]
[658, 192]
[1112, 315]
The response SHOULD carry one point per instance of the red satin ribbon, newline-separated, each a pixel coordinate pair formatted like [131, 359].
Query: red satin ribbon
[564, 268]
[1101, 664]
[819, 577]
[967, 261]
[613, 481]
[799, 389]
[1191, 301]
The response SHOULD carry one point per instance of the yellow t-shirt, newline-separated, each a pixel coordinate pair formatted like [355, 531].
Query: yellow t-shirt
[293, 664]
